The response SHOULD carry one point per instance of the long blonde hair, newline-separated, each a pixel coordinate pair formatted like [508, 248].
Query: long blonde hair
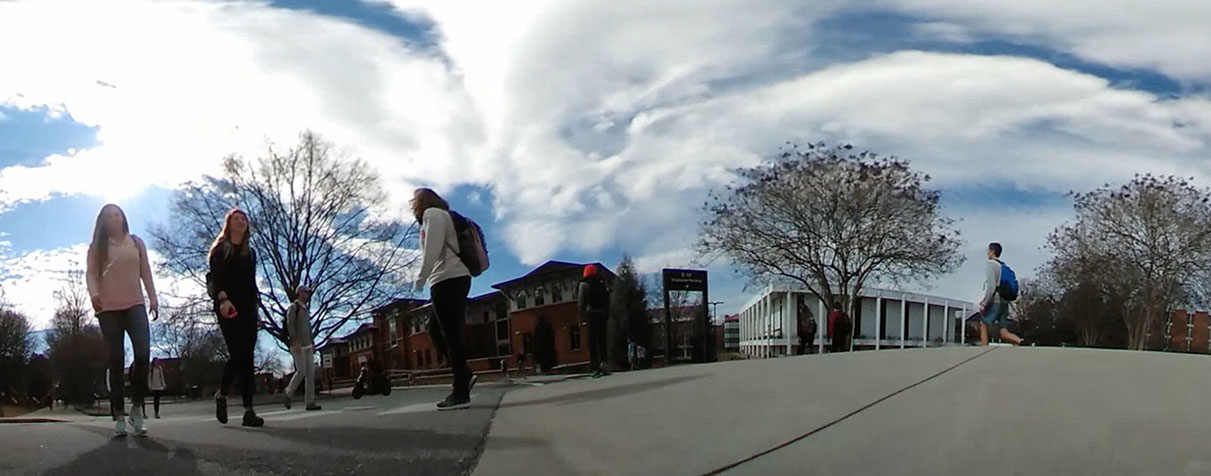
[225, 235]
[100, 243]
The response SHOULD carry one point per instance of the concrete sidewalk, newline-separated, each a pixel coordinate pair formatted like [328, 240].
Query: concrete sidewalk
[920, 411]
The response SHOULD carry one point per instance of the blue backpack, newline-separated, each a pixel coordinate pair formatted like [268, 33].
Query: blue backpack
[1008, 287]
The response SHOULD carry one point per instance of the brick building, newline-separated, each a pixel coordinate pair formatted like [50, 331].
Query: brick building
[1189, 332]
[498, 325]
[550, 293]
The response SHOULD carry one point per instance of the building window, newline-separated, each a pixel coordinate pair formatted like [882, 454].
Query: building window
[486, 316]
[502, 330]
[574, 336]
[556, 293]
[521, 300]
[539, 299]
[391, 327]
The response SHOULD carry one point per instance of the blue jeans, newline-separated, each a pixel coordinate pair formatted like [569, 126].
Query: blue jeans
[115, 325]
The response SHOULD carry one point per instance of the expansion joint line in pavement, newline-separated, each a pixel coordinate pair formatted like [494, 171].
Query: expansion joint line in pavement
[846, 416]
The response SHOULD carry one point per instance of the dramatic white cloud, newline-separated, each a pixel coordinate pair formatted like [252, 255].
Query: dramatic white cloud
[1170, 36]
[190, 82]
[601, 125]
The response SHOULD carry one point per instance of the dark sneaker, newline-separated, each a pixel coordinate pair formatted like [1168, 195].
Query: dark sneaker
[220, 408]
[454, 403]
[313, 407]
[286, 401]
[251, 420]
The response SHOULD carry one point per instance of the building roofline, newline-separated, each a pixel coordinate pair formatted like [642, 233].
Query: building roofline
[568, 266]
[871, 292]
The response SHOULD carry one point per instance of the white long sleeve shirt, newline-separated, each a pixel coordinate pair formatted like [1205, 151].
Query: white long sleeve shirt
[992, 279]
[439, 243]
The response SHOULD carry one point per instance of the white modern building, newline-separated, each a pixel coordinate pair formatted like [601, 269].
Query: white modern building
[886, 319]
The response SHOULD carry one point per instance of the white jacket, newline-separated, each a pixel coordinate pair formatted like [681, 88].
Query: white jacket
[439, 243]
[155, 379]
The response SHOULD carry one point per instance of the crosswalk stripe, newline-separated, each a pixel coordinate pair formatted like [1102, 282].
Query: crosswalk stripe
[303, 415]
[413, 408]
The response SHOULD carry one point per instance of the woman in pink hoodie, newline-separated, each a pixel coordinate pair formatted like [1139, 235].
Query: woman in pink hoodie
[117, 265]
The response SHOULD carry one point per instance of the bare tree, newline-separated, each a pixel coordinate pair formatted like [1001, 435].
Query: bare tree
[1149, 243]
[75, 345]
[317, 219]
[832, 219]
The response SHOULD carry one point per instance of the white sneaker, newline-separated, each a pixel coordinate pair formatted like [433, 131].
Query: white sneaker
[120, 428]
[136, 421]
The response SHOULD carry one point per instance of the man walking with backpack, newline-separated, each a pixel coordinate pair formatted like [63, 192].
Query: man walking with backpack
[1000, 288]
[594, 306]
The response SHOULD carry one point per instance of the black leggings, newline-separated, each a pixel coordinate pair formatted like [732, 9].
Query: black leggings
[240, 335]
[449, 303]
[598, 352]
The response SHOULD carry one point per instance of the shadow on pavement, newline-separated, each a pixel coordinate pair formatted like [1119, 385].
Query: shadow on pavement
[603, 393]
[132, 455]
[374, 440]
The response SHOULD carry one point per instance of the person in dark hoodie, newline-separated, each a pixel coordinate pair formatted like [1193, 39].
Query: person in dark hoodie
[594, 304]
[232, 283]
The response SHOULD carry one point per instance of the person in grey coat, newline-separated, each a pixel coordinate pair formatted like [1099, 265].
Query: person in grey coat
[302, 348]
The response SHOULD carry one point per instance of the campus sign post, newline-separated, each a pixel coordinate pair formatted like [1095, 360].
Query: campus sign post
[688, 280]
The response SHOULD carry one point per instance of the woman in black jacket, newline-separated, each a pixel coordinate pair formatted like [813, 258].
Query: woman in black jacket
[232, 285]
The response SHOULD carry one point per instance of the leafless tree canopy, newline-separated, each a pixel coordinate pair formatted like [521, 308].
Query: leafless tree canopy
[315, 220]
[1144, 247]
[75, 345]
[832, 219]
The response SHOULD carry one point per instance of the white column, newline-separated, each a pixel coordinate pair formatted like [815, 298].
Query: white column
[787, 329]
[879, 322]
[963, 325]
[903, 319]
[925, 337]
[821, 326]
[948, 321]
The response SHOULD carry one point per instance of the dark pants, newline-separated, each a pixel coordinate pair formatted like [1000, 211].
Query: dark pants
[240, 335]
[598, 350]
[805, 344]
[840, 341]
[449, 304]
[155, 399]
[115, 325]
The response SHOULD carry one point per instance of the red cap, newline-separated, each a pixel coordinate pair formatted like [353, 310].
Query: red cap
[590, 271]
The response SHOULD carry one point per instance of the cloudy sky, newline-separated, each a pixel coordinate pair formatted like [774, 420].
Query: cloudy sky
[580, 131]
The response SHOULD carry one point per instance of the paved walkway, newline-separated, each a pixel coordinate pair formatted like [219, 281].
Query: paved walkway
[921, 411]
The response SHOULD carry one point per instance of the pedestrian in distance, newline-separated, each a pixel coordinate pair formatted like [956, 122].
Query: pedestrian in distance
[594, 307]
[302, 348]
[155, 382]
[839, 328]
[806, 328]
[231, 283]
[1000, 289]
[453, 252]
[117, 273]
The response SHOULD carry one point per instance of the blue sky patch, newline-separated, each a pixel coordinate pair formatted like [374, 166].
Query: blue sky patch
[29, 136]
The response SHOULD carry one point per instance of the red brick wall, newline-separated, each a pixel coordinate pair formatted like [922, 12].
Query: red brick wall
[1200, 335]
[1177, 331]
[560, 315]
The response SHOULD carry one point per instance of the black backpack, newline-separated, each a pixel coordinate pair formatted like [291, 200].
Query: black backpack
[599, 294]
